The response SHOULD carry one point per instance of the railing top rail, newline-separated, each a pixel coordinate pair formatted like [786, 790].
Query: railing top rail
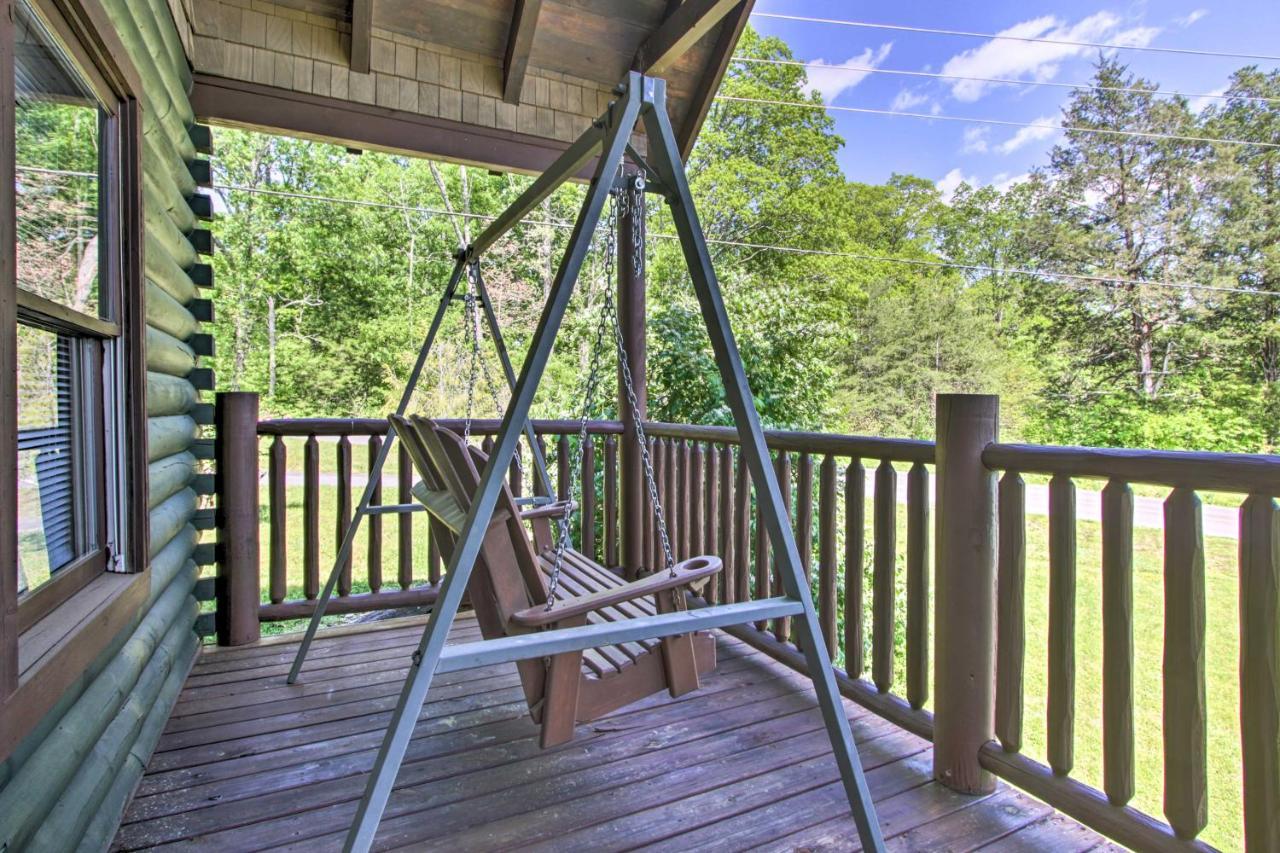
[1248, 473]
[378, 426]
[894, 449]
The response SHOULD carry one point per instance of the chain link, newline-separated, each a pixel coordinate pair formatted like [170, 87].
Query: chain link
[620, 204]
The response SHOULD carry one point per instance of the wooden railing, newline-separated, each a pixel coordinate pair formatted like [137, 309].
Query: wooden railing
[1185, 724]
[870, 573]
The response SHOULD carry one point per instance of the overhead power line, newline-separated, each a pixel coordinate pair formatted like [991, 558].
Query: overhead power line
[1141, 134]
[933, 75]
[1075, 278]
[867, 25]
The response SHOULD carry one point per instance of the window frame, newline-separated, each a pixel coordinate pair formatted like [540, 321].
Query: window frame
[115, 342]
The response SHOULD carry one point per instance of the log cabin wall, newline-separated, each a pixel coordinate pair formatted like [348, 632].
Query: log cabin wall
[65, 785]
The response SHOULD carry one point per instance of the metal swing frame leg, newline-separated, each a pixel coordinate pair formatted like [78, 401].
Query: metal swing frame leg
[641, 98]
[384, 452]
[666, 161]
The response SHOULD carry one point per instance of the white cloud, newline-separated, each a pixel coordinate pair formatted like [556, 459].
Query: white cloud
[1004, 182]
[1037, 61]
[908, 100]
[1199, 105]
[951, 182]
[832, 79]
[1191, 17]
[975, 140]
[1043, 129]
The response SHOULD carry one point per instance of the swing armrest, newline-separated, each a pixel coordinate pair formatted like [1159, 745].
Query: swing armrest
[686, 572]
[551, 510]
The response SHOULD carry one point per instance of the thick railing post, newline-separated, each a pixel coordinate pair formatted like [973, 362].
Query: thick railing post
[965, 580]
[236, 457]
[631, 314]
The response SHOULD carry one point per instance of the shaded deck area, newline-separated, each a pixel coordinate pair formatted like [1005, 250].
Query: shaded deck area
[248, 763]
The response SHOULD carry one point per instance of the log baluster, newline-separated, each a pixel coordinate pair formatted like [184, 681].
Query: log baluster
[374, 557]
[610, 501]
[1011, 640]
[1186, 795]
[278, 503]
[742, 530]
[311, 518]
[855, 491]
[697, 487]
[804, 523]
[885, 548]
[1060, 726]
[782, 469]
[827, 553]
[711, 533]
[1260, 670]
[762, 571]
[564, 486]
[917, 585]
[343, 520]
[1117, 642]
[588, 487]
[404, 557]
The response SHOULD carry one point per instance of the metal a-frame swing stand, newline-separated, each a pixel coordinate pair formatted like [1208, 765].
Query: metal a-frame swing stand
[640, 99]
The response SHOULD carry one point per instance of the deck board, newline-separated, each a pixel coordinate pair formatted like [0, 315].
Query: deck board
[248, 763]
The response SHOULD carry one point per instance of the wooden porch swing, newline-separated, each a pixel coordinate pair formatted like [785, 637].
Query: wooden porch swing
[565, 621]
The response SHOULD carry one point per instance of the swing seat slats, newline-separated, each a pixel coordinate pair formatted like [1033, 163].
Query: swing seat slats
[509, 588]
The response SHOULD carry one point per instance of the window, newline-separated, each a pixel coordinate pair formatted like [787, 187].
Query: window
[69, 347]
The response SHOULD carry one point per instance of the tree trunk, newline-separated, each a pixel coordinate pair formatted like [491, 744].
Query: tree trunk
[271, 347]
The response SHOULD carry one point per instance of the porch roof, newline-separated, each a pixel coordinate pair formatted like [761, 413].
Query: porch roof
[504, 84]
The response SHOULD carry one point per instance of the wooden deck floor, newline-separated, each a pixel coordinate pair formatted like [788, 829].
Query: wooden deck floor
[248, 763]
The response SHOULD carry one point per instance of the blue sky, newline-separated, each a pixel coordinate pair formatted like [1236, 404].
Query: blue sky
[945, 152]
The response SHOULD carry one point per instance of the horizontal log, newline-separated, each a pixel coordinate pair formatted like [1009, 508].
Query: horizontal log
[167, 354]
[168, 519]
[1124, 824]
[165, 195]
[165, 477]
[160, 155]
[417, 596]
[51, 766]
[169, 395]
[160, 97]
[894, 449]
[167, 274]
[172, 241]
[169, 435]
[1255, 473]
[378, 426]
[168, 315]
[105, 818]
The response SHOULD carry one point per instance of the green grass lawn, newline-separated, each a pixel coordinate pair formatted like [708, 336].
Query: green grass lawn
[1221, 664]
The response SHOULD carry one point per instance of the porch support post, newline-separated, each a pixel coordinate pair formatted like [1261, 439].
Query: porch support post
[965, 578]
[631, 319]
[238, 587]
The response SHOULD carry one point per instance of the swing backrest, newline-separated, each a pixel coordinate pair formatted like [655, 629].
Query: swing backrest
[507, 558]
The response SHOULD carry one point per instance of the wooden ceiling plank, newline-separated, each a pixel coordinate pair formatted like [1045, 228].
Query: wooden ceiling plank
[361, 35]
[524, 23]
[709, 80]
[680, 31]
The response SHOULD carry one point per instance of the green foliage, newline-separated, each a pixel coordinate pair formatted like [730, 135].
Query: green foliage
[323, 304]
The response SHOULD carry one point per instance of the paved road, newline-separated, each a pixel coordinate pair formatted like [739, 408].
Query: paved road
[1148, 512]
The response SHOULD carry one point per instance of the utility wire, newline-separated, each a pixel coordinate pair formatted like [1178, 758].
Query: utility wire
[1111, 281]
[791, 250]
[933, 75]
[1140, 134]
[1185, 51]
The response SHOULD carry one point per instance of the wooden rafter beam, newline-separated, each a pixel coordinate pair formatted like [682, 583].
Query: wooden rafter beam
[689, 22]
[709, 83]
[361, 35]
[524, 23]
